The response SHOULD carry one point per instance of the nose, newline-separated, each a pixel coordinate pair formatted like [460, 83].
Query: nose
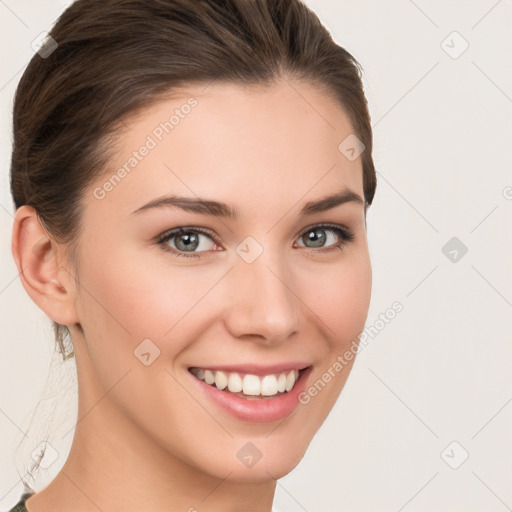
[263, 305]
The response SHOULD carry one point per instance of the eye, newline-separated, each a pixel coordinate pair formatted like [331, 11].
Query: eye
[317, 237]
[186, 242]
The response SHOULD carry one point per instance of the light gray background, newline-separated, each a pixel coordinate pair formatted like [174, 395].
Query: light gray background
[440, 371]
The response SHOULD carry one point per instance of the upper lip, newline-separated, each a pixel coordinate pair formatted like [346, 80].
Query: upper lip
[256, 369]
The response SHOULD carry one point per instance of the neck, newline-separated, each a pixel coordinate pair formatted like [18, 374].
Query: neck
[114, 465]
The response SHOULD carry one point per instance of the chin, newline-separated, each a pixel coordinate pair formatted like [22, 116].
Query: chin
[262, 458]
[275, 468]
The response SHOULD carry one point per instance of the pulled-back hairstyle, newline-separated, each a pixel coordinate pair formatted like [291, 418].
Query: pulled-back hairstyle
[115, 57]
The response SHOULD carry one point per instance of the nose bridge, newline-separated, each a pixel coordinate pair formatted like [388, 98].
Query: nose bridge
[263, 302]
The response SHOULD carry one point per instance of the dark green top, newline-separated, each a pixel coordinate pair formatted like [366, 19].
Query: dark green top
[20, 506]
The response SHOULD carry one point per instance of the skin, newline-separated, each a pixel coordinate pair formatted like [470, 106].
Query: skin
[145, 440]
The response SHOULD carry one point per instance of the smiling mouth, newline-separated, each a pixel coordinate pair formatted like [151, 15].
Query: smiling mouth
[249, 386]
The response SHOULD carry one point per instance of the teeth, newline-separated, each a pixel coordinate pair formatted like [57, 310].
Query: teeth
[290, 380]
[281, 383]
[235, 383]
[209, 377]
[221, 381]
[269, 385]
[250, 385]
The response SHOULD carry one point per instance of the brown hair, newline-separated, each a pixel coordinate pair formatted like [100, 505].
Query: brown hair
[115, 57]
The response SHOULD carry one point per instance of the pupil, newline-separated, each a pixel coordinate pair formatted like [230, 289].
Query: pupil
[189, 240]
[316, 238]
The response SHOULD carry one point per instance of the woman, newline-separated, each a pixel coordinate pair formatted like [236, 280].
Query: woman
[191, 181]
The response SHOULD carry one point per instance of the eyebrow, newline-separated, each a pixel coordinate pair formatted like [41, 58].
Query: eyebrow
[218, 209]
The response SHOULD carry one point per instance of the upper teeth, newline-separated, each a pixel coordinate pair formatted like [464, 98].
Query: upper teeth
[249, 384]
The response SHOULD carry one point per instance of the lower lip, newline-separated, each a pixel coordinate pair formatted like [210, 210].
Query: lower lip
[260, 410]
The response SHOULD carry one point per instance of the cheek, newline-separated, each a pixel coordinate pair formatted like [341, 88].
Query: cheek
[343, 306]
[130, 300]
[341, 298]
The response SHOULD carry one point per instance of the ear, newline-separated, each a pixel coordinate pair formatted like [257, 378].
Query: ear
[43, 270]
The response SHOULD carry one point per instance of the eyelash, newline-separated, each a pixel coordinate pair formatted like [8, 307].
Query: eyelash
[346, 236]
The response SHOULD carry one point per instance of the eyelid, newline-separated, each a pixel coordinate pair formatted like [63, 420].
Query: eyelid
[184, 229]
[346, 236]
[216, 239]
[321, 225]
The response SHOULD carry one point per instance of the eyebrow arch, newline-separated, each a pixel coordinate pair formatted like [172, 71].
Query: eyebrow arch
[218, 209]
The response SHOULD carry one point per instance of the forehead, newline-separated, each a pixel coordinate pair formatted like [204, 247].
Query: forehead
[249, 146]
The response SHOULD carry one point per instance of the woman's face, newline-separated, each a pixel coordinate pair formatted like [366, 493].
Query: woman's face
[255, 295]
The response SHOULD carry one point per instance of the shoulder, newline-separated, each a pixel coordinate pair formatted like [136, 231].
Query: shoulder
[20, 506]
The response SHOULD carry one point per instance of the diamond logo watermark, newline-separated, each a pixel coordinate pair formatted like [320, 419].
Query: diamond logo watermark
[454, 45]
[455, 455]
[249, 455]
[146, 352]
[249, 249]
[351, 147]
[44, 454]
[454, 249]
[44, 44]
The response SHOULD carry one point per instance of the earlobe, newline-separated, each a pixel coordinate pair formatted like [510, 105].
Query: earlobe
[37, 259]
